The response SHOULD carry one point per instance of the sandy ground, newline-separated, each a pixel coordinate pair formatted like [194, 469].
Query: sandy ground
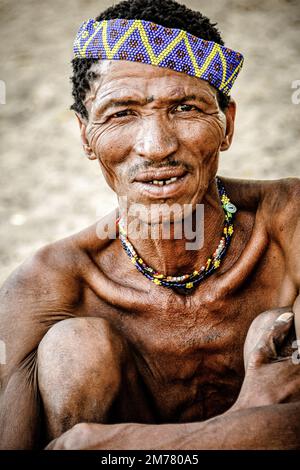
[48, 188]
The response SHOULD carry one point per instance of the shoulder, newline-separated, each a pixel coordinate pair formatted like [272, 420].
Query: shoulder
[276, 204]
[42, 283]
[36, 295]
[47, 288]
[55, 272]
[258, 191]
[276, 200]
[286, 226]
[281, 197]
[281, 210]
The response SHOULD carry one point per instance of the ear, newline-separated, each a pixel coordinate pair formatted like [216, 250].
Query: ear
[85, 143]
[230, 117]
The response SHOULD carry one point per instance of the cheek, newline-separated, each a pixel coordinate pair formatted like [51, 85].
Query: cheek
[111, 145]
[112, 148]
[203, 135]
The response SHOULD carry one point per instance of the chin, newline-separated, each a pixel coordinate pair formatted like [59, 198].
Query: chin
[162, 212]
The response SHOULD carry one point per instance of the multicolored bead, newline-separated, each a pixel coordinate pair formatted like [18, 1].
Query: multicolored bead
[153, 44]
[186, 281]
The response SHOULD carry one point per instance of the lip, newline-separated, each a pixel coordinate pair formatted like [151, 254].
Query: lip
[153, 191]
[160, 174]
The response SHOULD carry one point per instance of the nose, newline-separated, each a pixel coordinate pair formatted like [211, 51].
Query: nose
[155, 139]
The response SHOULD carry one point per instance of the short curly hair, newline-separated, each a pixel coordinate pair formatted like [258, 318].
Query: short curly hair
[167, 13]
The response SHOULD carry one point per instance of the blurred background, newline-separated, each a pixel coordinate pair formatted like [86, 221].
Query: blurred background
[48, 188]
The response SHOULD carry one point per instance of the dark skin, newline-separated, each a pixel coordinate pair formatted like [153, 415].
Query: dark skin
[181, 356]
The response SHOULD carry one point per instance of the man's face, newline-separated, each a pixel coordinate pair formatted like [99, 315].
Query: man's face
[157, 133]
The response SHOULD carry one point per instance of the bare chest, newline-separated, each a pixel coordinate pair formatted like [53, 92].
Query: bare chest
[189, 349]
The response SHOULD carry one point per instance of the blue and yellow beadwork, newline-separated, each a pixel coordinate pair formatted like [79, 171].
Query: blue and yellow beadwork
[153, 44]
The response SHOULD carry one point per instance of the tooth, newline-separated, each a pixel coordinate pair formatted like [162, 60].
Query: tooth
[163, 182]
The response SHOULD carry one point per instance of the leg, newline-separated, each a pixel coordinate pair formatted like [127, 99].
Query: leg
[86, 374]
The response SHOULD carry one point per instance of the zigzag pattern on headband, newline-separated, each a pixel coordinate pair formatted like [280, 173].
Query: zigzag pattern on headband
[153, 44]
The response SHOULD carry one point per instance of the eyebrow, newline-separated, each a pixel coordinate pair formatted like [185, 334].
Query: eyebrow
[116, 103]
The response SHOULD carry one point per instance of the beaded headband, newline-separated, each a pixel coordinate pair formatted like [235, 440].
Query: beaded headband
[150, 43]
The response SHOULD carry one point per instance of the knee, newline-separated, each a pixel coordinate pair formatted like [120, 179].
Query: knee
[81, 352]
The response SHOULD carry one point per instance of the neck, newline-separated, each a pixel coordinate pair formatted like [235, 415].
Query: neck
[171, 256]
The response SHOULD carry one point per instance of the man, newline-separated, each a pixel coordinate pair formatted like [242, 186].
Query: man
[126, 342]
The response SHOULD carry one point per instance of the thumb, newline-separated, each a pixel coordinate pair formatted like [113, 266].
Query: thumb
[51, 445]
[272, 338]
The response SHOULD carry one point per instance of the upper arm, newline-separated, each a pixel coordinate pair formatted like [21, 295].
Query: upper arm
[281, 211]
[294, 245]
[32, 299]
[289, 225]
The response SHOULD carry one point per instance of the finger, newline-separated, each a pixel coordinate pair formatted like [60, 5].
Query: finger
[271, 339]
[259, 325]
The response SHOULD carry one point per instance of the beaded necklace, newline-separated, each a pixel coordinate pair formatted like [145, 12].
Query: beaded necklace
[187, 281]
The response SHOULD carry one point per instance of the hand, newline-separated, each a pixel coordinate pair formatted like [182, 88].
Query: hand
[269, 379]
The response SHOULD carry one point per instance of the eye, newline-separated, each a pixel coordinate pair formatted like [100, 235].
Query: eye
[185, 108]
[124, 113]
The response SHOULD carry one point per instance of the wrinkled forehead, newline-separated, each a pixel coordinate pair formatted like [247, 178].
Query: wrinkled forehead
[115, 78]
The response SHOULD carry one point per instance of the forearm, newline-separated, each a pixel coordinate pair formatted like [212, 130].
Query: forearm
[271, 427]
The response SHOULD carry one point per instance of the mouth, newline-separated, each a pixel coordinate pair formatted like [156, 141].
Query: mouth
[161, 177]
[162, 183]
